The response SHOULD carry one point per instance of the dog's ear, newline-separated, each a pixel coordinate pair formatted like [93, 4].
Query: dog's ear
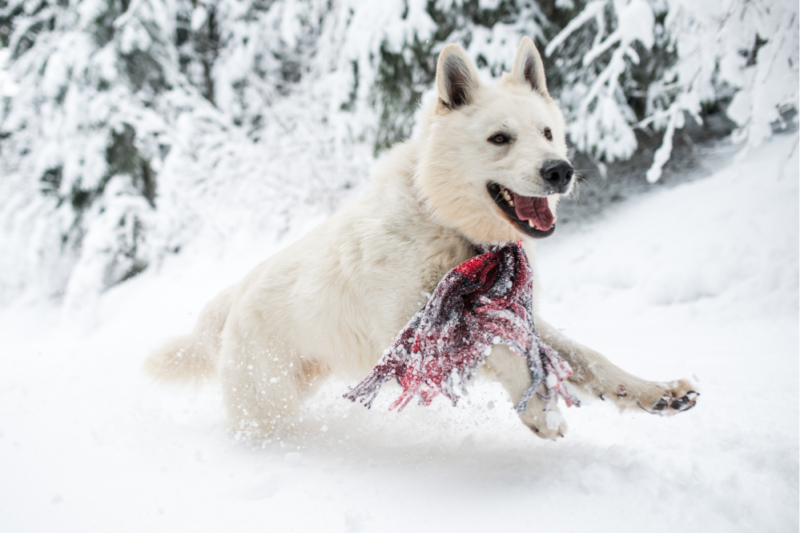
[456, 77]
[528, 67]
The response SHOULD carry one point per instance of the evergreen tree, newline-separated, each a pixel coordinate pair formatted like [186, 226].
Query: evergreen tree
[131, 128]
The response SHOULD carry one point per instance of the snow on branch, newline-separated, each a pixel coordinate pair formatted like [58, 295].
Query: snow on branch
[745, 49]
[602, 122]
[593, 10]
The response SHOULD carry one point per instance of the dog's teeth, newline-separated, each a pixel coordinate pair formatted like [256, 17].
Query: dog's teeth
[530, 223]
[511, 203]
[555, 217]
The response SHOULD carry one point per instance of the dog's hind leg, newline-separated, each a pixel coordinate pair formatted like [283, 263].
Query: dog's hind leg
[511, 370]
[598, 376]
[263, 385]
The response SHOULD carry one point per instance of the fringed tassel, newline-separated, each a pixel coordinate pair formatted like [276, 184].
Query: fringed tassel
[484, 301]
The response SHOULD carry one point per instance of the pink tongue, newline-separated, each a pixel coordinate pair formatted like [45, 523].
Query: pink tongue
[535, 209]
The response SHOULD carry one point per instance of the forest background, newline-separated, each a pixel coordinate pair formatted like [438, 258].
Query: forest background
[133, 129]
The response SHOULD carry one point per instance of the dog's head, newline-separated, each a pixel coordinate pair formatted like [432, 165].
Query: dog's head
[495, 159]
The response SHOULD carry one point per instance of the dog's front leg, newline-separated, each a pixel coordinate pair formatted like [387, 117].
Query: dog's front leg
[511, 370]
[598, 376]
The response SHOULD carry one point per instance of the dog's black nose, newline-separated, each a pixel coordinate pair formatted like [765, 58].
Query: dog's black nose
[557, 173]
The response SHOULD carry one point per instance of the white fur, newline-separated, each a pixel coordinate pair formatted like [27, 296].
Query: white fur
[333, 301]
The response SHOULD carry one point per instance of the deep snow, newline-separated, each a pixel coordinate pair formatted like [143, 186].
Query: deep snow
[698, 281]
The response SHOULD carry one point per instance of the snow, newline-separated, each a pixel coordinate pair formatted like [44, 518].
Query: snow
[698, 281]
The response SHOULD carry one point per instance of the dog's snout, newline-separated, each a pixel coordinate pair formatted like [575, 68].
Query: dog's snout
[558, 173]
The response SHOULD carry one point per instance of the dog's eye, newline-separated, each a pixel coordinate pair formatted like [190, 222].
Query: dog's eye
[548, 134]
[499, 138]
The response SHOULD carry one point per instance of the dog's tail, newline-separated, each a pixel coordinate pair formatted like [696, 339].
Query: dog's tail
[193, 358]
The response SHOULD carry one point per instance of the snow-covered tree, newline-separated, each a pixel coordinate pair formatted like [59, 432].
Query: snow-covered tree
[137, 126]
[130, 129]
[683, 56]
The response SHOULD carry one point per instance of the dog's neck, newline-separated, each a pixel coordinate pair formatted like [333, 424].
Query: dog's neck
[395, 189]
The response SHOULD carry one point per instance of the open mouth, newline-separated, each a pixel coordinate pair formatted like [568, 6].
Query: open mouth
[531, 214]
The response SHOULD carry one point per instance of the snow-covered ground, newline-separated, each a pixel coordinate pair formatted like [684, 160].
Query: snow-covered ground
[697, 281]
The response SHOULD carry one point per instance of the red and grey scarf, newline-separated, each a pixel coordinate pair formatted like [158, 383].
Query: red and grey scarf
[484, 301]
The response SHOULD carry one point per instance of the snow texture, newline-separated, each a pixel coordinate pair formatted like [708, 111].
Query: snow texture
[699, 280]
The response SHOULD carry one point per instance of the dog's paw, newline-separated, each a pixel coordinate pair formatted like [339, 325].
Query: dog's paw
[670, 399]
[547, 424]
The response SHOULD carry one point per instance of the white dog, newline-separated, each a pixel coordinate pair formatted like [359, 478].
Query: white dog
[489, 167]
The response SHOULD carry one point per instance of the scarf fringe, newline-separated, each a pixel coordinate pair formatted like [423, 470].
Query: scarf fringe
[486, 300]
